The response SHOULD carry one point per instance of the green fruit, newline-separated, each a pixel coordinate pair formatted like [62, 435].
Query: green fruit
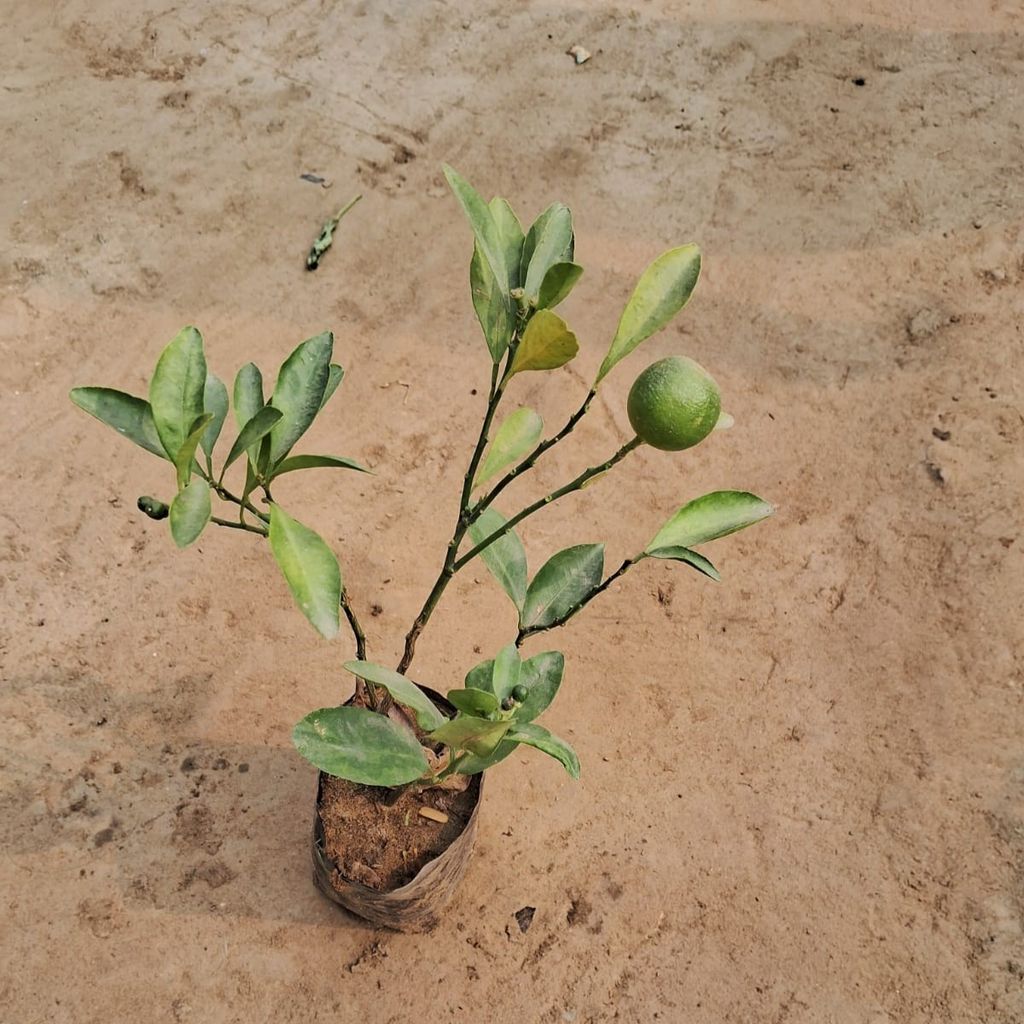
[520, 692]
[674, 404]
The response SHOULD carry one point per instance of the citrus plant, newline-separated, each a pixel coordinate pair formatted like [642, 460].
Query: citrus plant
[391, 733]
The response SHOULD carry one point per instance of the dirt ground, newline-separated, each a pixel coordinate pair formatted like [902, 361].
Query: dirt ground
[803, 789]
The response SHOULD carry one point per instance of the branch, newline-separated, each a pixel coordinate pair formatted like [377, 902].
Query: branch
[231, 525]
[573, 485]
[600, 588]
[531, 459]
[462, 524]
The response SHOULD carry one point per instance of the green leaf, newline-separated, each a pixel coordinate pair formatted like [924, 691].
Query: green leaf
[479, 677]
[254, 430]
[562, 582]
[183, 459]
[405, 691]
[336, 374]
[507, 668]
[714, 515]
[471, 764]
[465, 732]
[215, 402]
[190, 512]
[546, 344]
[558, 282]
[549, 241]
[485, 230]
[694, 558]
[301, 383]
[474, 702]
[177, 389]
[505, 558]
[518, 434]
[295, 462]
[537, 736]
[248, 400]
[510, 237]
[310, 569]
[361, 746]
[130, 416]
[493, 307]
[541, 675]
[662, 291]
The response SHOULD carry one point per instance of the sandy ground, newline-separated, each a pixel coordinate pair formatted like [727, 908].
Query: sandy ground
[803, 789]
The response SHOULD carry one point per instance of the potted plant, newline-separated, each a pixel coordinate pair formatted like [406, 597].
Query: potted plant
[401, 766]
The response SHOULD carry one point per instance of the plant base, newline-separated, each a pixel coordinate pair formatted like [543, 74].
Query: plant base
[366, 889]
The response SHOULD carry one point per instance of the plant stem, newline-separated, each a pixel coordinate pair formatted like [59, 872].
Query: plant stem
[462, 524]
[600, 588]
[573, 485]
[231, 525]
[357, 631]
[532, 458]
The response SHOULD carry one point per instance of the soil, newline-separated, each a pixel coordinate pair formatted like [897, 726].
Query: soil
[802, 798]
[382, 842]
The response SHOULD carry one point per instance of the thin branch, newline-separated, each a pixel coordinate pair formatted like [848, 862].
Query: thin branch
[357, 631]
[231, 525]
[462, 525]
[599, 589]
[573, 485]
[531, 459]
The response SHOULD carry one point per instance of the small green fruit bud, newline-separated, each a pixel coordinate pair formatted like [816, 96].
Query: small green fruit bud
[153, 508]
[520, 692]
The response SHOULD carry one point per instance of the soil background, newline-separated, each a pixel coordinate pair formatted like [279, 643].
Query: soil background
[803, 789]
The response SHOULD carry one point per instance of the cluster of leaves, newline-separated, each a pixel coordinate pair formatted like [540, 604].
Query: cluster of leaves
[184, 416]
[495, 713]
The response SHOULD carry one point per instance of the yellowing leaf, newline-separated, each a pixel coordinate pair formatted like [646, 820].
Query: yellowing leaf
[546, 344]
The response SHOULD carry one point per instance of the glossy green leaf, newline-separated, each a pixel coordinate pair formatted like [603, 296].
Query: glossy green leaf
[294, 462]
[215, 402]
[562, 582]
[474, 702]
[693, 558]
[248, 394]
[183, 460]
[662, 291]
[537, 736]
[508, 666]
[405, 691]
[479, 677]
[190, 512]
[549, 241]
[546, 344]
[177, 389]
[485, 230]
[248, 400]
[466, 732]
[558, 282]
[309, 568]
[517, 435]
[361, 746]
[336, 374]
[505, 558]
[510, 237]
[707, 518]
[252, 433]
[472, 764]
[130, 416]
[299, 390]
[493, 307]
[541, 675]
